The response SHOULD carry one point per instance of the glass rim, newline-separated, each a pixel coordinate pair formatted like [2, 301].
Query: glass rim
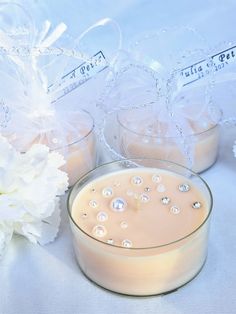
[74, 142]
[81, 179]
[81, 138]
[166, 137]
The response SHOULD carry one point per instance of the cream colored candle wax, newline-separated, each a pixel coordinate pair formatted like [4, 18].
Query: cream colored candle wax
[140, 231]
[142, 135]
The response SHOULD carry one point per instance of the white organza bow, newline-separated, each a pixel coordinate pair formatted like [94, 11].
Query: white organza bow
[151, 74]
[38, 67]
[38, 63]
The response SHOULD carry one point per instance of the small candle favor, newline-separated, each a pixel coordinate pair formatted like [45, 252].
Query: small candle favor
[140, 229]
[142, 135]
[80, 154]
[75, 139]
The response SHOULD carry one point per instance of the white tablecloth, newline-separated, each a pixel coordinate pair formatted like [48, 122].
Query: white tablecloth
[47, 280]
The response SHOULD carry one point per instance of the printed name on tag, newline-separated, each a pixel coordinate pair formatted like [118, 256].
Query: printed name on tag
[78, 76]
[98, 63]
[202, 68]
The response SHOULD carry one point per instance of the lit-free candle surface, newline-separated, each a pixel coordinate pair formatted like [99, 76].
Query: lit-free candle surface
[128, 224]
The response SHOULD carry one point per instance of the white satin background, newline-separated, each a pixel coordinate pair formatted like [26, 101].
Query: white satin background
[47, 280]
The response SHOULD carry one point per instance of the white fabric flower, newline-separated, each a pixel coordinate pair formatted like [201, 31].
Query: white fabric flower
[30, 186]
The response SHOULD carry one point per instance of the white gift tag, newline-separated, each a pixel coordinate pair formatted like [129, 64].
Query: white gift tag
[202, 68]
[78, 76]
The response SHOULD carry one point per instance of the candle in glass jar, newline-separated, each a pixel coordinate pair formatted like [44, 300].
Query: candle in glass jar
[140, 231]
[80, 156]
[77, 143]
[142, 135]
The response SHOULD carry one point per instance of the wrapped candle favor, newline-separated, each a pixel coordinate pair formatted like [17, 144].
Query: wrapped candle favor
[48, 79]
[160, 101]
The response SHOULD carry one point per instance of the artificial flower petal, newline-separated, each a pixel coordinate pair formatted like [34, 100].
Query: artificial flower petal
[30, 186]
[5, 237]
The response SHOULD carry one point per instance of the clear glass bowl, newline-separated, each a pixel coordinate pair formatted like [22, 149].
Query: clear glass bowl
[146, 270]
[80, 155]
[138, 137]
[75, 140]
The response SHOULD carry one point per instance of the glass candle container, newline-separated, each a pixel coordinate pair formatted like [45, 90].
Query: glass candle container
[140, 226]
[75, 139]
[81, 154]
[140, 135]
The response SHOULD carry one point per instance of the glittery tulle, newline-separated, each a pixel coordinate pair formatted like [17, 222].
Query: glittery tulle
[155, 92]
[42, 96]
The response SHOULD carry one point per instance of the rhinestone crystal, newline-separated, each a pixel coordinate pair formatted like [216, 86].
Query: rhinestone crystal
[196, 205]
[147, 189]
[110, 241]
[107, 192]
[161, 188]
[99, 231]
[144, 198]
[116, 184]
[93, 204]
[175, 210]
[118, 204]
[102, 216]
[156, 178]
[185, 187]
[165, 200]
[126, 243]
[124, 225]
[130, 193]
[137, 180]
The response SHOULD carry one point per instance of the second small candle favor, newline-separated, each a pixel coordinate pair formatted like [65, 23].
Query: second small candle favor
[142, 135]
[140, 230]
